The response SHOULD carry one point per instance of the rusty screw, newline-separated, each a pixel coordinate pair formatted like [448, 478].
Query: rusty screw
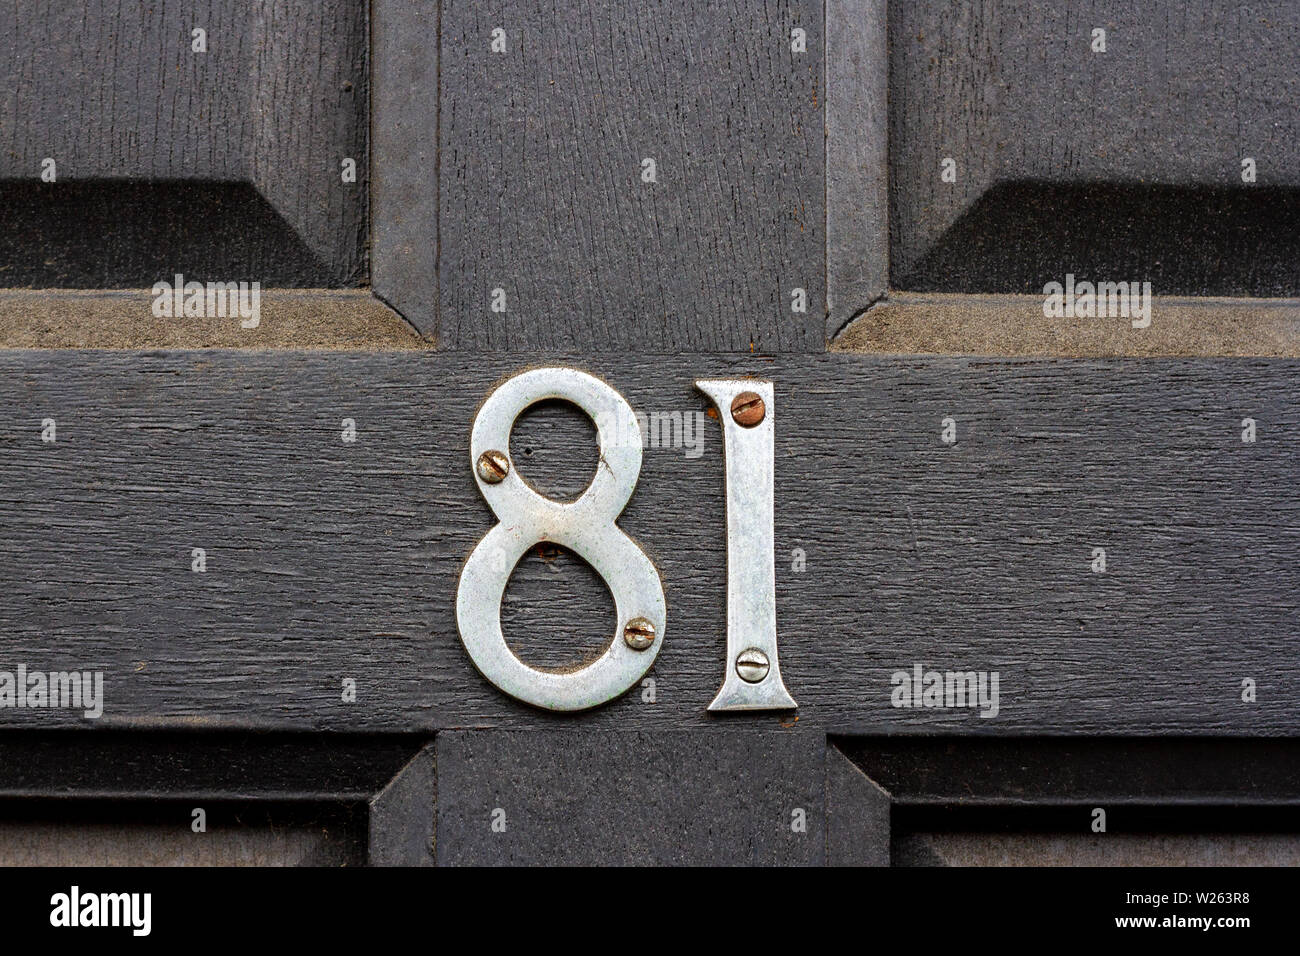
[639, 634]
[752, 665]
[493, 466]
[748, 409]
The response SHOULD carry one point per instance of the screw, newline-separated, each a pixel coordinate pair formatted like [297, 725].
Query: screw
[493, 466]
[748, 409]
[752, 665]
[639, 634]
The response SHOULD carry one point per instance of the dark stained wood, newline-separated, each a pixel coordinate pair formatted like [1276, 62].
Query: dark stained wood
[857, 158]
[310, 96]
[944, 772]
[1117, 165]
[857, 815]
[249, 136]
[331, 563]
[127, 91]
[328, 560]
[404, 154]
[711, 797]
[401, 825]
[146, 765]
[541, 152]
[74, 833]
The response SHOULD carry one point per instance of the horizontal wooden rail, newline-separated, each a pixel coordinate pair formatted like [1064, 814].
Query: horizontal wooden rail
[329, 561]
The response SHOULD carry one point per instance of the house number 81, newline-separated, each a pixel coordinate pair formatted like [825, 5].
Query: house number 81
[588, 527]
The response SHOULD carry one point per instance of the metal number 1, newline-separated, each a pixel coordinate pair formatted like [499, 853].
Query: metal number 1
[753, 676]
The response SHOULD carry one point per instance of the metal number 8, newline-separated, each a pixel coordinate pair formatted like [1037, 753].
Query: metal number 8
[586, 527]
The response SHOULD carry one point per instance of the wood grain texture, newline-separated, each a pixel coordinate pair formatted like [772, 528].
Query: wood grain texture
[857, 815]
[1012, 90]
[236, 836]
[328, 560]
[404, 159]
[719, 797]
[401, 824]
[944, 101]
[857, 158]
[541, 153]
[113, 91]
[930, 775]
[310, 96]
[148, 767]
[1112, 849]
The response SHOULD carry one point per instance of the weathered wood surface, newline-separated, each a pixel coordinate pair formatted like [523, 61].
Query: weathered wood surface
[112, 90]
[946, 774]
[147, 765]
[269, 799]
[858, 815]
[401, 825]
[404, 154]
[310, 94]
[1013, 91]
[541, 164]
[115, 91]
[150, 835]
[857, 158]
[719, 797]
[328, 560]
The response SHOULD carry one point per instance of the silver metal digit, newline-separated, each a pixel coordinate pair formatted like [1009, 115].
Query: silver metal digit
[585, 526]
[753, 676]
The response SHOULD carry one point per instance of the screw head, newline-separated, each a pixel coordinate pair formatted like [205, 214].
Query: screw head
[752, 665]
[748, 409]
[639, 633]
[493, 466]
